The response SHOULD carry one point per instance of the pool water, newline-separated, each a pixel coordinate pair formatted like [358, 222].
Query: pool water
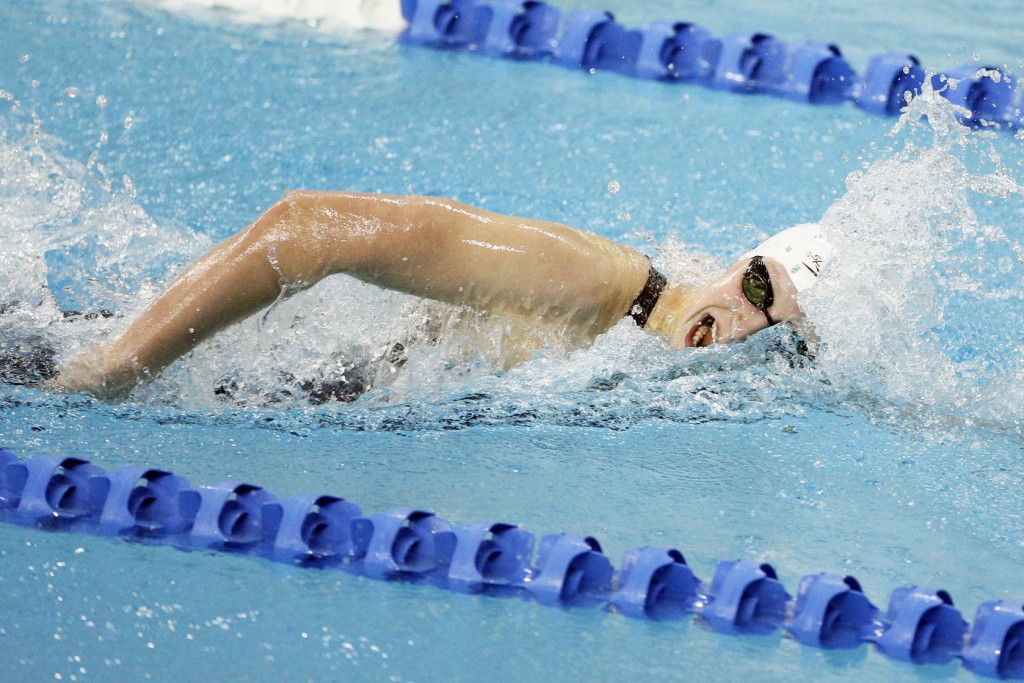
[135, 136]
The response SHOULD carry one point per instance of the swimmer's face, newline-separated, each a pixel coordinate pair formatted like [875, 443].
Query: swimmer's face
[724, 310]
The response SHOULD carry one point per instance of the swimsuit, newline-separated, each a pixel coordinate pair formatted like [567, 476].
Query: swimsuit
[648, 297]
[31, 360]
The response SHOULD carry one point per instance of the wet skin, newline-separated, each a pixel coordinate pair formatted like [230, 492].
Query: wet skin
[718, 312]
[566, 280]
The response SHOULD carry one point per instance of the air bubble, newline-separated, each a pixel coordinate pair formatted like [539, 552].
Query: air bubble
[614, 187]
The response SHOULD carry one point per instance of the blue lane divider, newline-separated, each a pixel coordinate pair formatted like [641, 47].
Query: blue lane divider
[673, 50]
[594, 40]
[310, 527]
[679, 51]
[986, 98]
[832, 612]
[997, 641]
[141, 500]
[522, 30]
[920, 626]
[656, 583]
[817, 73]
[748, 62]
[399, 543]
[487, 556]
[228, 515]
[571, 570]
[889, 78]
[746, 597]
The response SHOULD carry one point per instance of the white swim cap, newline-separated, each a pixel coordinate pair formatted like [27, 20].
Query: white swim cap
[802, 250]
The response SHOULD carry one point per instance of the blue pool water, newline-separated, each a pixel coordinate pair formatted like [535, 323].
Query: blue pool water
[133, 136]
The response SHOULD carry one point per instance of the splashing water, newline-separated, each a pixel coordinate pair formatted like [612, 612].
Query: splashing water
[381, 15]
[913, 314]
[71, 241]
[918, 308]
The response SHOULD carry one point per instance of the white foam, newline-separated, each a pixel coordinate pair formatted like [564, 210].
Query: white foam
[912, 259]
[72, 239]
[379, 15]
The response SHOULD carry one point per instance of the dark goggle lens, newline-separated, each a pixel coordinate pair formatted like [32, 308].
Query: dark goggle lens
[757, 285]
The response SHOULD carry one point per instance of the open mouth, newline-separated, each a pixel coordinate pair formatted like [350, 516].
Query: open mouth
[703, 333]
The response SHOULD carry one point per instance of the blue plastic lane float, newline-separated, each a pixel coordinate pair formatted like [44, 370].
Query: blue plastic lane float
[679, 51]
[890, 79]
[142, 501]
[421, 19]
[921, 626]
[310, 527]
[8, 497]
[57, 489]
[748, 62]
[816, 73]
[996, 647]
[656, 583]
[571, 570]
[987, 93]
[746, 597]
[521, 30]
[400, 543]
[596, 41]
[228, 515]
[445, 23]
[673, 50]
[487, 556]
[832, 612]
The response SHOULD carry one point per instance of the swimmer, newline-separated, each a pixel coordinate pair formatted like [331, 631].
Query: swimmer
[551, 275]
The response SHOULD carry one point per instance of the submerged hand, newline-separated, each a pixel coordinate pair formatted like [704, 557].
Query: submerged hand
[98, 372]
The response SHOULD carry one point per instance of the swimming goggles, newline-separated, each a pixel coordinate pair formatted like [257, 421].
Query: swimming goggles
[757, 287]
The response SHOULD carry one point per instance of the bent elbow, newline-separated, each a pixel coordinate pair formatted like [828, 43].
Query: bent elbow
[315, 234]
[291, 236]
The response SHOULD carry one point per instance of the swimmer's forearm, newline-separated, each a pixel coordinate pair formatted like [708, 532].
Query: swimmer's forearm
[234, 280]
[427, 247]
[230, 283]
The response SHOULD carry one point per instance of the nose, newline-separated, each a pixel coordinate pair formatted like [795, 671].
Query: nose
[746, 320]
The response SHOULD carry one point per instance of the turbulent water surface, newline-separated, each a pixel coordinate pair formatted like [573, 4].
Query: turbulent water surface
[133, 137]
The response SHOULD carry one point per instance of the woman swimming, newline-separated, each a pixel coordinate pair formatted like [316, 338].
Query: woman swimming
[551, 275]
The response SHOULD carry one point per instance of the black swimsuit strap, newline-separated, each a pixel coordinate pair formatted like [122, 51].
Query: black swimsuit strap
[648, 297]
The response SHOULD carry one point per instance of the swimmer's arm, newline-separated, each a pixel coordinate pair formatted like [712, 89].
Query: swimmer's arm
[448, 251]
[427, 247]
